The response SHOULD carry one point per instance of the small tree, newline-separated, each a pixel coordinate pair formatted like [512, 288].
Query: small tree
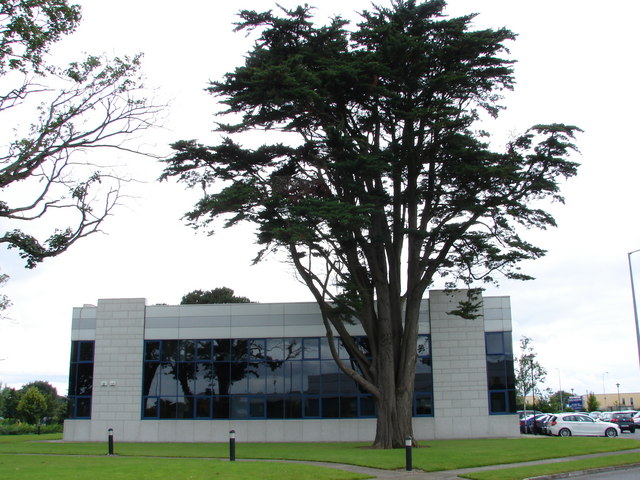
[9, 403]
[32, 406]
[56, 405]
[592, 403]
[529, 373]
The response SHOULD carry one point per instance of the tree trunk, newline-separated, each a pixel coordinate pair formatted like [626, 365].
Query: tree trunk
[394, 420]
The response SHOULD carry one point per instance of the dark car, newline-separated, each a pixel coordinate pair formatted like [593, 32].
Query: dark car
[530, 424]
[624, 421]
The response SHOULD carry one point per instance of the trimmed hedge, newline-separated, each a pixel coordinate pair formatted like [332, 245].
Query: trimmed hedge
[14, 428]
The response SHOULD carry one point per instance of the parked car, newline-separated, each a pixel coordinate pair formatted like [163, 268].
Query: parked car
[636, 419]
[542, 425]
[595, 415]
[568, 424]
[624, 421]
[529, 424]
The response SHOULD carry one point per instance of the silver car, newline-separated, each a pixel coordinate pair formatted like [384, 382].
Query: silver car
[568, 424]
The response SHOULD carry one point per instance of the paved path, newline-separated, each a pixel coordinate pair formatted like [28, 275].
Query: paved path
[451, 474]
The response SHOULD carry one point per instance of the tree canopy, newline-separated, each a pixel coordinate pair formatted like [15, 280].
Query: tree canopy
[375, 176]
[217, 295]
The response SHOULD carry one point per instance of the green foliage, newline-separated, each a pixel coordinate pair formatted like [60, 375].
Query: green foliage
[9, 402]
[386, 183]
[217, 295]
[529, 373]
[29, 27]
[14, 427]
[593, 405]
[56, 410]
[32, 406]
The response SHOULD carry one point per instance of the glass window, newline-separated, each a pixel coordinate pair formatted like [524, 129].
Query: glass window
[168, 385]
[348, 407]
[500, 373]
[294, 376]
[424, 346]
[498, 402]
[187, 350]
[220, 407]
[275, 406]
[83, 407]
[293, 348]
[311, 348]
[169, 350]
[251, 378]
[152, 350]
[422, 405]
[256, 407]
[204, 379]
[496, 372]
[203, 407]
[239, 407]
[311, 378]
[494, 343]
[293, 407]
[257, 350]
[203, 350]
[81, 379]
[311, 407]
[274, 350]
[221, 350]
[85, 353]
[331, 373]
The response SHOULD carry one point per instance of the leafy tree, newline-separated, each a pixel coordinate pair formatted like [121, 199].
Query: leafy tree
[217, 295]
[385, 184]
[90, 104]
[529, 373]
[9, 402]
[592, 403]
[32, 406]
[56, 405]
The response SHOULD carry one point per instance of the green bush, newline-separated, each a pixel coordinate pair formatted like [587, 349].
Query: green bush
[13, 427]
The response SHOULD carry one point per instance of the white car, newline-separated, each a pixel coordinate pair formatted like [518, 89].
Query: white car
[568, 424]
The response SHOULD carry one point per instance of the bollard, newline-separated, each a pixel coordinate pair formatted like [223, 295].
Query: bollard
[232, 445]
[409, 461]
[110, 441]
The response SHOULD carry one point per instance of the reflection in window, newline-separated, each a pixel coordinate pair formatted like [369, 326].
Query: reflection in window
[262, 378]
[500, 373]
[81, 379]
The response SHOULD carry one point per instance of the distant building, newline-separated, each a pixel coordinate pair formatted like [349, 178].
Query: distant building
[615, 401]
[190, 373]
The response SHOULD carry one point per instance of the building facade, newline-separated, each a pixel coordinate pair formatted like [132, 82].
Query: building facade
[192, 373]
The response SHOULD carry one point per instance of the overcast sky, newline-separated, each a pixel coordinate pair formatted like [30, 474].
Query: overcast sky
[577, 64]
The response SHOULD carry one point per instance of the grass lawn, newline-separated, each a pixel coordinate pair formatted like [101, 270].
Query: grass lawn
[521, 473]
[53, 467]
[431, 456]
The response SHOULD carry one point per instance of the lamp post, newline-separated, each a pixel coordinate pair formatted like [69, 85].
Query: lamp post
[618, 387]
[635, 307]
[560, 385]
[604, 391]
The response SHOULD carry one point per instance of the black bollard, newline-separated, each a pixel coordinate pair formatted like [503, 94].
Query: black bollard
[409, 460]
[232, 445]
[110, 441]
